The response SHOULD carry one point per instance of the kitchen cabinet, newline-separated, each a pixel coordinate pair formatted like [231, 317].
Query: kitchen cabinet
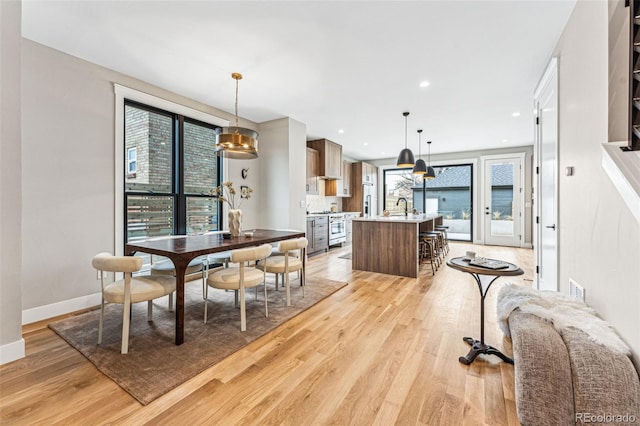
[364, 189]
[317, 234]
[330, 164]
[369, 173]
[313, 160]
[340, 187]
[348, 225]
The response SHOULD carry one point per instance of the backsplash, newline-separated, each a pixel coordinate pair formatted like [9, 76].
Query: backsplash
[318, 203]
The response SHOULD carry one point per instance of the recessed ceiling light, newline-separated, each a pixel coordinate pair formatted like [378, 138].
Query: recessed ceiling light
[340, 131]
[515, 114]
[366, 144]
[382, 153]
[504, 140]
[424, 83]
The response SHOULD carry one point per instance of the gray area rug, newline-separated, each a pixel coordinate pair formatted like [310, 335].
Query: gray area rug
[345, 256]
[154, 364]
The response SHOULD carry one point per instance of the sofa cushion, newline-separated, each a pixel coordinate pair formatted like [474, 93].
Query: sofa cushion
[544, 391]
[605, 382]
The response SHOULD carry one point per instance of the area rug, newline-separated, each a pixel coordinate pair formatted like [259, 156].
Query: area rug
[154, 364]
[345, 256]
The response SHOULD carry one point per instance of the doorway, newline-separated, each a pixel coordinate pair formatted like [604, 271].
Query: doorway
[502, 199]
[546, 190]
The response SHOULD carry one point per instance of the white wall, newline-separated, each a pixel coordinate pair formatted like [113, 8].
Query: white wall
[599, 239]
[11, 343]
[69, 179]
[283, 174]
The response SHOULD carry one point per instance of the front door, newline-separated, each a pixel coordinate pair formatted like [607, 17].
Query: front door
[502, 200]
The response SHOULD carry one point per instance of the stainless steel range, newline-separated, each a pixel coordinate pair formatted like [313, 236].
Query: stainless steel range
[337, 229]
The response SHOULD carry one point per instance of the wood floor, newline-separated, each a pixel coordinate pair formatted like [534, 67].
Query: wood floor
[384, 350]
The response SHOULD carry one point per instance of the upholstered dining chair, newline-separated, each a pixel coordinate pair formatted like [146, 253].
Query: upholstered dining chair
[129, 290]
[289, 260]
[240, 277]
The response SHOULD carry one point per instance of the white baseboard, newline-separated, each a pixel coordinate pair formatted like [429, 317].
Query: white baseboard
[12, 351]
[59, 308]
[527, 245]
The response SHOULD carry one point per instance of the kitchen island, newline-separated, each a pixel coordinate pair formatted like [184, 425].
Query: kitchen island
[389, 244]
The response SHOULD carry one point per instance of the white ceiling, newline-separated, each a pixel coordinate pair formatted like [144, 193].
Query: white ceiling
[351, 65]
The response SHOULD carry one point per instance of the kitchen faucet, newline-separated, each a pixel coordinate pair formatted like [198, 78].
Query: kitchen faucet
[406, 212]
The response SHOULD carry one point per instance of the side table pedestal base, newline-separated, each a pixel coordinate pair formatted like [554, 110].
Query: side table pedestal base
[477, 348]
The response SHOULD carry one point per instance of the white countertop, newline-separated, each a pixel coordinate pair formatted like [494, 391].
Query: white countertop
[412, 218]
[333, 214]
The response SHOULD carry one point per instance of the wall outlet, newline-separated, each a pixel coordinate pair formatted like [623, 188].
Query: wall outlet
[302, 204]
[576, 290]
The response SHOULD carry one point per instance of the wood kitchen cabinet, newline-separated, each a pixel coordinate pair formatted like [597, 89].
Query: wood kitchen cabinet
[313, 160]
[330, 164]
[340, 187]
[361, 174]
[317, 234]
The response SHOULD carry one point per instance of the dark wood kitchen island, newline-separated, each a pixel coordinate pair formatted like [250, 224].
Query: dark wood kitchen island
[389, 245]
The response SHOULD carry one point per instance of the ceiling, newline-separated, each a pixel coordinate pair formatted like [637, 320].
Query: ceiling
[353, 66]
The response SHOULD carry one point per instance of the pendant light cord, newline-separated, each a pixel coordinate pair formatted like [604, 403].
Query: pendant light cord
[405, 131]
[236, 104]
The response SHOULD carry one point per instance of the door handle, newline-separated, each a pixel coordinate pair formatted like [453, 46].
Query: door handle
[551, 226]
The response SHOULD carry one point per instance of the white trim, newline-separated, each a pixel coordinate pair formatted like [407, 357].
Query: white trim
[550, 76]
[12, 351]
[60, 308]
[623, 170]
[522, 156]
[122, 93]
[552, 67]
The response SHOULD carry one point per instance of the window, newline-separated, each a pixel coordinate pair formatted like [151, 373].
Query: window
[132, 164]
[449, 194]
[171, 167]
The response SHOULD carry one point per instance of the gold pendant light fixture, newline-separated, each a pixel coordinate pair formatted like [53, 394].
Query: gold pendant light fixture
[431, 173]
[237, 142]
[420, 168]
[405, 159]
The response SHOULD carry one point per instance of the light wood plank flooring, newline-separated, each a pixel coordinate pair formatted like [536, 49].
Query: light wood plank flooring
[384, 350]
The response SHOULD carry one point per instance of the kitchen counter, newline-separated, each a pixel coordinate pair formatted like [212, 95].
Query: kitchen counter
[412, 218]
[389, 244]
[332, 214]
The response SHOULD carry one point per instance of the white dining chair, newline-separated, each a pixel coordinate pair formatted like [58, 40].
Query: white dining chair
[288, 259]
[129, 290]
[239, 277]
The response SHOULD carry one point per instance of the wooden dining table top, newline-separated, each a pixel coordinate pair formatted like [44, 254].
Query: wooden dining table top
[184, 248]
[199, 245]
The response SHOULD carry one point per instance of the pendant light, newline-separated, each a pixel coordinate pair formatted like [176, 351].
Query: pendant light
[430, 172]
[405, 159]
[420, 168]
[237, 142]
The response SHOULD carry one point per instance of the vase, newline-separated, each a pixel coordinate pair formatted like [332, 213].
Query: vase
[235, 222]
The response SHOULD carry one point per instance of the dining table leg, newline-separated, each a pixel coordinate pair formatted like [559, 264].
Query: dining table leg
[181, 269]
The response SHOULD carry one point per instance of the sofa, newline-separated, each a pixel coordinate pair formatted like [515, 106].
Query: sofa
[568, 371]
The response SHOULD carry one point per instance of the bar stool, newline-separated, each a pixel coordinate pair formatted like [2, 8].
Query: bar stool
[438, 245]
[428, 250]
[444, 229]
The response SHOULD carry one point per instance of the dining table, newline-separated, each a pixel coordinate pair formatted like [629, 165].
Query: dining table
[183, 249]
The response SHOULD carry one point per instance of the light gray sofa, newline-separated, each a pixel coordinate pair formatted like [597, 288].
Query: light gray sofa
[565, 378]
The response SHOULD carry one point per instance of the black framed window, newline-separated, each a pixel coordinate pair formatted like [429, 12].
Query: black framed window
[448, 194]
[171, 166]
